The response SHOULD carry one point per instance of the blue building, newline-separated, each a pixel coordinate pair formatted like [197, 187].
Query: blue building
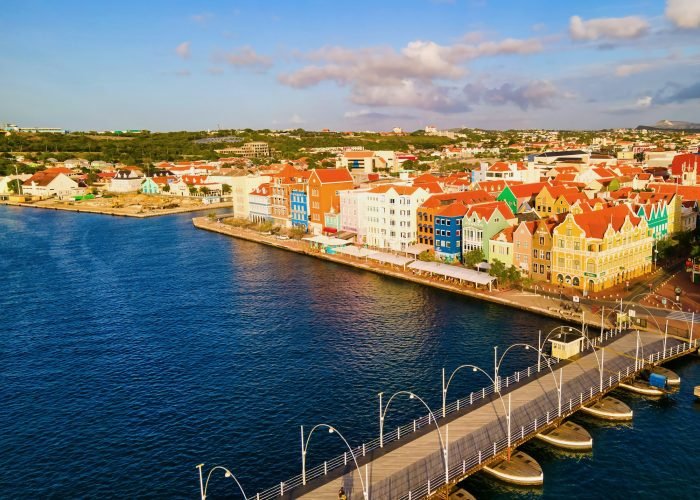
[299, 208]
[448, 232]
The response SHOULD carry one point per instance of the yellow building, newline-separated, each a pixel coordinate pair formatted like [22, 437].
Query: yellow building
[596, 250]
[546, 200]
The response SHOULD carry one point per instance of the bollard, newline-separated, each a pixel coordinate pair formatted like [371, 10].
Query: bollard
[345, 458]
[479, 457]
[325, 468]
[363, 449]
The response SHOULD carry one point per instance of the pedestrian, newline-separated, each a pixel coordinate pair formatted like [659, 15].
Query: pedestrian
[341, 494]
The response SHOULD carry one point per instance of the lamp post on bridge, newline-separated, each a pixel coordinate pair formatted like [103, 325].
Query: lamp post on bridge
[331, 430]
[411, 395]
[227, 473]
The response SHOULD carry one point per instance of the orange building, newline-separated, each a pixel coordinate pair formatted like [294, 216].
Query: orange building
[283, 182]
[324, 186]
[427, 211]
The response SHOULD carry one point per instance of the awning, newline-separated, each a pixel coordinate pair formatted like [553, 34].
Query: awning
[328, 241]
[358, 252]
[450, 271]
[390, 258]
[417, 249]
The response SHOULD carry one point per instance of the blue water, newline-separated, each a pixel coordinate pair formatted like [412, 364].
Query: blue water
[132, 350]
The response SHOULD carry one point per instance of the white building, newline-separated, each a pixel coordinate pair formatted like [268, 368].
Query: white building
[391, 215]
[353, 212]
[241, 187]
[125, 181]
[51, 184]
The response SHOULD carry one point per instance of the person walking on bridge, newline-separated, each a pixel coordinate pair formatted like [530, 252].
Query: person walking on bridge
[341, 494]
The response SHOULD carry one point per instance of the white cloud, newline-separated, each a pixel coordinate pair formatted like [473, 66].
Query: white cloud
[533, 94]
[382, 76]
[632, 69]
[607, 28]
[644, 102]
[245, 57]
[684, 13]
[183, 50]
[296, 119]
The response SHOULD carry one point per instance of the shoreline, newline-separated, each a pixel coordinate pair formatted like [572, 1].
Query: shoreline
[116, 211]
[298, 247]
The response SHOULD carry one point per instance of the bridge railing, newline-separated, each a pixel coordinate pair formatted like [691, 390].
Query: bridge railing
[401, 431]
[460, 469]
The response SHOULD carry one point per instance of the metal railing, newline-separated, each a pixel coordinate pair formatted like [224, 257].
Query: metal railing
[402, 431]
[524, 433]
[461, 469]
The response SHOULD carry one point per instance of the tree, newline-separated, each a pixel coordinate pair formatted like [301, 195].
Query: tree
[473, 257]
[14, 185]
[193, 190]
[204, 190]
[166, 188]
[225, 188]
[498, 270]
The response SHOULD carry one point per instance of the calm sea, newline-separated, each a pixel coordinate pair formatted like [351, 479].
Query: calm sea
[132, 350]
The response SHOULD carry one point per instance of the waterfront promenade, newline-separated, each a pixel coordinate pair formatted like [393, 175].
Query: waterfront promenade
[544, 304]
[119, 212]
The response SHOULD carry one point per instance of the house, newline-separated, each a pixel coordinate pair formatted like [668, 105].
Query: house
[501, 247]
[324, 186]
[541, 269]
[260, 204]
[656, 215]
[684, 169]
[353, 212]
[425, 214]
[51, 184]
[283, 183]
[391, 215]
[367, 162]
[521, 197]
[522, 245]
[299, 208]
[125, 181]
[240, 192]
[547, 197]
[149, 186]
[448, 232]
[596, 250]
[483, 221]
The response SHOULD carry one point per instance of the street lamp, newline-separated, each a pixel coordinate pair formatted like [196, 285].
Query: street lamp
[331, 430]
[227, 473]
[411, 395]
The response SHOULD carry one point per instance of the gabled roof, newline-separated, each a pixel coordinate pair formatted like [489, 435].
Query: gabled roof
[499, 166]
[454, 210]
[42, 178]
[400, 190]
[527, 190]
[423, 178]
[464, 197]
[506, 234]
[596, 223]
[262, 190]
[330, 175]
[486, 210]
[684, 162]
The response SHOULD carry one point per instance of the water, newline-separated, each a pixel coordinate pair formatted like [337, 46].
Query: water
[132, 350]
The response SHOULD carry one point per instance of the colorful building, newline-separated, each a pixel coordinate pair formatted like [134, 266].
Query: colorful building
[541, 267]
[299, 208]
[391, 215]
[501, 247]
[427, 211]
[282, 183]
[448, 232]
[522, 246]
[324, 187]
[260, 204]
[596, 250]
[483, 221]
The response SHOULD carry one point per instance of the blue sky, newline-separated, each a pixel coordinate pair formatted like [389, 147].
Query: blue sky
[169, 65]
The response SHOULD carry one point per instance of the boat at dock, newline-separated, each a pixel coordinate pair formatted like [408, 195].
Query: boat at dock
[521, 469]
[569, 436]
[643, 388]
[609, 408]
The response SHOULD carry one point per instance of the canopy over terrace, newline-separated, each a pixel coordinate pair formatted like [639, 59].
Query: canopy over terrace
[454, 272]
[326, 241]
[389, 258]
[417, 249]
[358, 252]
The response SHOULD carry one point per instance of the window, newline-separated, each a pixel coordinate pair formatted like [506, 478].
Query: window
[541, 268]
[458, 232]
[548, 256]
[577, 245]
[561, 243]
[541, 240]
[535, 253]
[448, 222]
[448, 233]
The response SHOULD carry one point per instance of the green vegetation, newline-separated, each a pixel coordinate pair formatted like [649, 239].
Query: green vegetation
[474, 257]
[505, 275]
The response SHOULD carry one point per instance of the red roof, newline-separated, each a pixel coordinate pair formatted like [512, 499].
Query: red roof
[454, 210]
[328, 175]
[596, 223]
[685, 162]
[485, 210]
[527, 190]
[43, 178]
[464, 197]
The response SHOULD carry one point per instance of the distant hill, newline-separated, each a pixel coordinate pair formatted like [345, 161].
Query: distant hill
[670, 125]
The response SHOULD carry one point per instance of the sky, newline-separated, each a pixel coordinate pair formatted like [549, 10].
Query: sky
[361, 65]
